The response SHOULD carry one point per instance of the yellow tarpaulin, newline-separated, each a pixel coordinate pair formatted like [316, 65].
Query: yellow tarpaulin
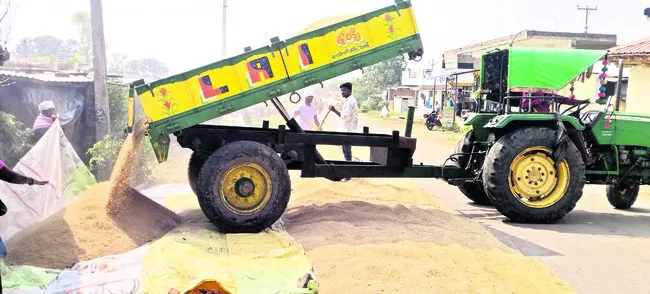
[194, 253]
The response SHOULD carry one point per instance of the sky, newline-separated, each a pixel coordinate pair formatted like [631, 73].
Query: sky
[187, 34]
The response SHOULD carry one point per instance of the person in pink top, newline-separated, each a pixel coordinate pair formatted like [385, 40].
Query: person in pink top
[12, 177]
[45, 119]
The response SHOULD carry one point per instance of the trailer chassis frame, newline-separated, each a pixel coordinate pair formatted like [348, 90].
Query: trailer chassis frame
[391, 156]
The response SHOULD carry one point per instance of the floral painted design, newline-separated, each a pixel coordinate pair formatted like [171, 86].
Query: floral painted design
[392, 31]
[168, 104]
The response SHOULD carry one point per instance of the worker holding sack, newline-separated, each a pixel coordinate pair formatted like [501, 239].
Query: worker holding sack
[12, 177]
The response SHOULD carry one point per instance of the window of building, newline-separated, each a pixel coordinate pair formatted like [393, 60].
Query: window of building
[413, 74]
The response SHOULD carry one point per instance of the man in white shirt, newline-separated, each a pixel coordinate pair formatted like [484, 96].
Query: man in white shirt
[349, 116]
[307, 114]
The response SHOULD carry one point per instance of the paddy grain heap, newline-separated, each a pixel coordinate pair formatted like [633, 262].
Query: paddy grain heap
[388, 236]
[109, 218]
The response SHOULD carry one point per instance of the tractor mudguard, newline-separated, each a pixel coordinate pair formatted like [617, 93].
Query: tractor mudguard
[502, 121]
[561, 140]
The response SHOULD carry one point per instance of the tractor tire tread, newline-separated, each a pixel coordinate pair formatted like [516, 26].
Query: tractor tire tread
[241, 151]
[497, 165]
[618, 202]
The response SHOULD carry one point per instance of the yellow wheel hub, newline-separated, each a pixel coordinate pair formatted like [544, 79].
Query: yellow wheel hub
[535, 181]
[246, 188]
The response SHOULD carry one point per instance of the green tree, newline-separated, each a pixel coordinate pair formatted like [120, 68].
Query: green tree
[378, 77]
[81, 20]
[16, 139]
[118, 106]
[118, 62]
[47, 48]
[148, 68]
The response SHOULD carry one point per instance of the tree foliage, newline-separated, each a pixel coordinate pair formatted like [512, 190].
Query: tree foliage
[81, 20]
[378, 77]
[47, 48]
[118, 106]
[148, 68]
[118, 62]
[16, 139]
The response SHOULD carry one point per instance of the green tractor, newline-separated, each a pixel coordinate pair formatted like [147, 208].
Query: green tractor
[532, 166]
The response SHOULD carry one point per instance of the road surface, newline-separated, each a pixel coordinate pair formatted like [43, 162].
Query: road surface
[595, 248]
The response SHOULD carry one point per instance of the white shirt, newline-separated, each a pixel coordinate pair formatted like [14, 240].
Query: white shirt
[349, 114]
[306, 115]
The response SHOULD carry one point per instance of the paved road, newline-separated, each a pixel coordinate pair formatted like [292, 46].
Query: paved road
[595, 248]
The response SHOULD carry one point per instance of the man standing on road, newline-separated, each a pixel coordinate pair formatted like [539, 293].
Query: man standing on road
[349, 116]
[307, 114]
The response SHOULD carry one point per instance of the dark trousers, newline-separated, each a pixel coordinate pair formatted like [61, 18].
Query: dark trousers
[347, 152]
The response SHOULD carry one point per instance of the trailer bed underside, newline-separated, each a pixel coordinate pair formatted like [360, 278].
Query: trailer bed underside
[391, 156]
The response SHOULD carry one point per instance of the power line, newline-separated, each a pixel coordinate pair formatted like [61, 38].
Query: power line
[587, 11]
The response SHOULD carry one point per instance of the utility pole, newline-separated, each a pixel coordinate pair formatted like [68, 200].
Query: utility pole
[587, 11]
[223, 31]
[102, 115]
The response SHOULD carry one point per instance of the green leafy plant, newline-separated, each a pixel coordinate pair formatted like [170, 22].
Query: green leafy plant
[16, 139]
[104, 153]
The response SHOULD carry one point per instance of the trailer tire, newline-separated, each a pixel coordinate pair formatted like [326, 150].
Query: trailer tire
[244, 187]
[193, 170]
[520, 166]
[622, 198]
[473, 191]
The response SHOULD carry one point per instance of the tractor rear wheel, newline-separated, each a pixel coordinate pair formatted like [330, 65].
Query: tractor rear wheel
[622, 197]
[193, 169]
[473, 191]
[244, 187]
[522, 181]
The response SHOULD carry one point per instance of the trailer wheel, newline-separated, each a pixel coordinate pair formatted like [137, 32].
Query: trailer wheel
[473, 191]
[522, 181]
[622, 197]
[244, 187]
[193, 169]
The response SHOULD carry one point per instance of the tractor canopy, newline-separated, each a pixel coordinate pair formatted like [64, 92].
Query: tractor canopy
[524, 69]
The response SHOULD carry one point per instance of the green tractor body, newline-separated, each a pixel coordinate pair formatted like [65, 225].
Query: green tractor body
[532, 166]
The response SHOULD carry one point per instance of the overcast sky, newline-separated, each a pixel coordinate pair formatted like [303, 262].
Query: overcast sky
[187, 34]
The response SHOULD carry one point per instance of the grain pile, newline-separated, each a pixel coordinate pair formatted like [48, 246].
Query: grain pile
[109, 218]
[387, 236]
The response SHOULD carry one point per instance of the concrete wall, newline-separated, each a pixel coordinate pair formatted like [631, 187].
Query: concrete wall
[638, 90]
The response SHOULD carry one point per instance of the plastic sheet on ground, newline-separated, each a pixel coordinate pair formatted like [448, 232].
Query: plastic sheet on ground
[52, 159]
[191, 257]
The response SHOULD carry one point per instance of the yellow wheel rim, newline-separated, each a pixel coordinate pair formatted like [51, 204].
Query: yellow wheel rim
[535, 181]
[246, 188]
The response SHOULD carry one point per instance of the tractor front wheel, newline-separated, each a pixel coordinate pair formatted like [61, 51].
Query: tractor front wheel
[244, 187]
[524, 184]
[623, 196]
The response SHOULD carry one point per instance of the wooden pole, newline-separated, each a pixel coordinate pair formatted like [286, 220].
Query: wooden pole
[102, 115]
[323, 121]
[618, 84]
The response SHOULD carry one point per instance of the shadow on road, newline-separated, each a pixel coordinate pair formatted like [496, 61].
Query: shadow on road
[598, 223]
[525, 247]
[624, 223]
